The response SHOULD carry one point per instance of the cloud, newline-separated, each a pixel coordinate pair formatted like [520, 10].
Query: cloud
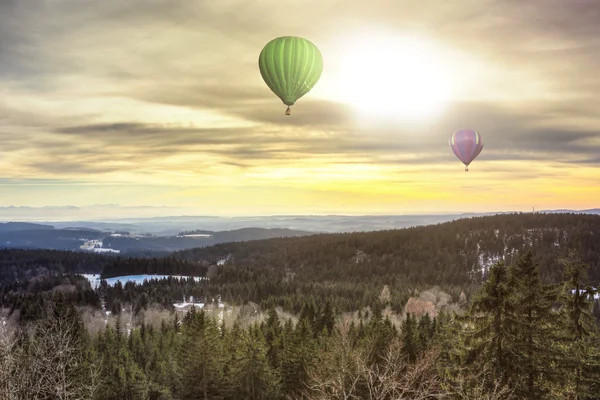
[101, 148]
[91, 90]
[507, 137]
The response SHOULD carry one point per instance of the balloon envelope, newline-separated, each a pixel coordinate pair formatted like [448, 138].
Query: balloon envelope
[290, 66]
[466, 145]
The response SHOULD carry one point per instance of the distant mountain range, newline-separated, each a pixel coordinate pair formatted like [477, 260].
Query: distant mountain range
[313, 223]
[588, 211]
[163, 231]
[21, 226]
[38, 236]
[161, 219]
[94, 212]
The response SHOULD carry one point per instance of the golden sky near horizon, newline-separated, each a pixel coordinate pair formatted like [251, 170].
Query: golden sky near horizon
[160, 102]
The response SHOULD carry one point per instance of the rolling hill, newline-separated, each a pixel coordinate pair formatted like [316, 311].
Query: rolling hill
[47, 237]
[22, 226]
[457, 252]
[451, 253]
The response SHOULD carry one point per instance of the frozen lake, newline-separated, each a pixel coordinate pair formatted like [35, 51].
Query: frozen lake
[138, 279]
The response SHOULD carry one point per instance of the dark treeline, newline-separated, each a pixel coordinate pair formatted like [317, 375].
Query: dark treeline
[152, 266]
[145, 253]
[20, 264]
[519, 339]
[195, 232]
[29, 297]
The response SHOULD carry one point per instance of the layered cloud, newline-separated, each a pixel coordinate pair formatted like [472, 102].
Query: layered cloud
[168, 93]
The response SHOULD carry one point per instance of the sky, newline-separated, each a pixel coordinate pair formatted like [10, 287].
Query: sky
[161, 103]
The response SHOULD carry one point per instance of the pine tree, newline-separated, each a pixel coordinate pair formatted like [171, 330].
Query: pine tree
[425, 328]
[535, 332]
[582, 353]
[326, 318]
[596, 312]
[299, 350]
[490, 325]
[199, 357]
[272, 333]
[410, 338]
[121, 376]
[176, 322]
[256, 379]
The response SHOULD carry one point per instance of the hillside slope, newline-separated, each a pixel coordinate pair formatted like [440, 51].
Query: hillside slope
[48, 238]
[21, 226]
[456, 252]
[175, 243]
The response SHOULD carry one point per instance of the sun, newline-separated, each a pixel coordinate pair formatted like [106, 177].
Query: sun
[394, 77]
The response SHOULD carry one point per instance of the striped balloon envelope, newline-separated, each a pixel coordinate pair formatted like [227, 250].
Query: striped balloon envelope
[290, 66]
[466, 145]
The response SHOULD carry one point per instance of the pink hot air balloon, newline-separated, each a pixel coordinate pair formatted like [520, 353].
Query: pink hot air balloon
[466, 144]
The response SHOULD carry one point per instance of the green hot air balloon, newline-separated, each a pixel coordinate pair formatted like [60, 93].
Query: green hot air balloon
[290, 66]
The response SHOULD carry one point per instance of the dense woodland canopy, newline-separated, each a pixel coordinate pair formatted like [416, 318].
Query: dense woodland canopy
[348, 270]
[519, 339]
[449, 253]
[18, 264]
[344, 326]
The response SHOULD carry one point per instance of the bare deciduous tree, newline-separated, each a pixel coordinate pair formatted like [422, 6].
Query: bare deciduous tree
[344, 371]
[8, 362]
[91, 386]
[338, 370]
[484, 388]
[385, 296]
[52, 361]
[395, 378]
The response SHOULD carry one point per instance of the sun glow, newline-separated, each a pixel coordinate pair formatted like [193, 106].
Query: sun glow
[394, 77]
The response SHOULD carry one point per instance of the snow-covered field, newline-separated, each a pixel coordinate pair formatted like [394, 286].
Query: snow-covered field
[596, 295]
[138, 279]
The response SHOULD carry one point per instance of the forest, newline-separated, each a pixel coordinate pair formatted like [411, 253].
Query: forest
[518, 339]
[454, 252]
[344, 316]
[350, 269]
